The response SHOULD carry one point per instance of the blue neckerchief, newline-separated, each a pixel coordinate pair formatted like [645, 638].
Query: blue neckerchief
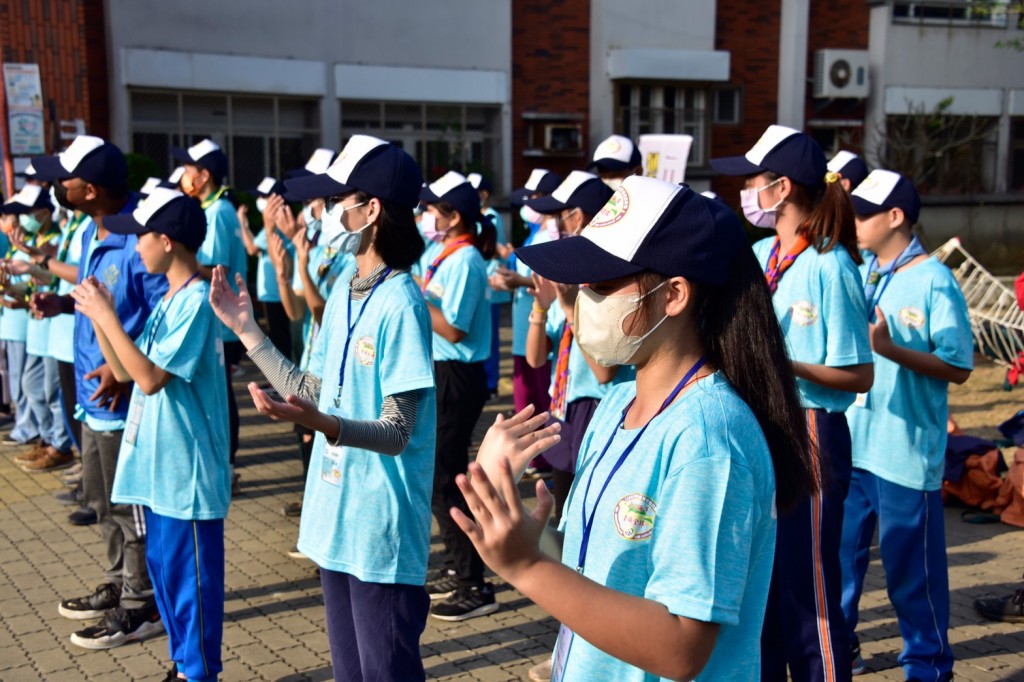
[875, 274]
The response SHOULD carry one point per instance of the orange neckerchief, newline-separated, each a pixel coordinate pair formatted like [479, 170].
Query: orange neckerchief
[456, 244]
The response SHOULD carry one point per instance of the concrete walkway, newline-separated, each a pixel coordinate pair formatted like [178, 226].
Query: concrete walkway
[274, 625]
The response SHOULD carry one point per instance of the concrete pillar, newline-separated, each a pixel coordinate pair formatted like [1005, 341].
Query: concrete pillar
[793, 62]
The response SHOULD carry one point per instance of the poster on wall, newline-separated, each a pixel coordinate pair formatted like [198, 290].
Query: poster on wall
[664, 156]
[24, 109]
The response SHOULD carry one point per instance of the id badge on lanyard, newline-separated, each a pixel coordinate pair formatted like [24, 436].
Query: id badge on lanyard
[330, 465]
[131, 429]
[861, 400]
[561, 655]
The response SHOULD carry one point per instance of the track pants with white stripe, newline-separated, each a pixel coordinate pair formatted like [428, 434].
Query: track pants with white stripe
[804, 629]
[913, 546]
[186, 563]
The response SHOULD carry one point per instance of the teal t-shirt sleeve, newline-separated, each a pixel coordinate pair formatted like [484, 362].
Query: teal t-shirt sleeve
[845, 317]
[260, 240]
[461, 296]
[700, 562]
[405, 338]
[216, 247]
[950, 325]
[177, 348]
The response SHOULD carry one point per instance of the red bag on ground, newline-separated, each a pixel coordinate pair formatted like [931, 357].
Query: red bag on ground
[980, 485]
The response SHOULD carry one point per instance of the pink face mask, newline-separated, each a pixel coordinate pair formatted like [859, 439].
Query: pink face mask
[750, 202]
[428, 224]
[551, 226]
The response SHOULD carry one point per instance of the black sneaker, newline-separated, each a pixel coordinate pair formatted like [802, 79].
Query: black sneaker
[1005, 609]
[120, 626]
[172, 674]
[70, 497]
[83, 516]
[441, 583]
[466, 603]
[95, 605]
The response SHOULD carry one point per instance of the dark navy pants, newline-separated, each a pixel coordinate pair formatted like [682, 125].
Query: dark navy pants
[913, 545]
[804, 628]
[374, 628]
[186, 564]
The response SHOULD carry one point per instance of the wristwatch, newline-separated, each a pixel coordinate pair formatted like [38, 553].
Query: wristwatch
[45, 263]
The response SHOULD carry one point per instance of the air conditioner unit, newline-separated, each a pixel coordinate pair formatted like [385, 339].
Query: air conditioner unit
[841, 73]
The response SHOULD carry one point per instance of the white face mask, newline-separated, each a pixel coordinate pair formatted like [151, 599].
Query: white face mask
[612, 182]
[599, 321]
[530, 216]
[750, 202]
[312, 224]
[261, 204]
[335, 234]
[29, 223]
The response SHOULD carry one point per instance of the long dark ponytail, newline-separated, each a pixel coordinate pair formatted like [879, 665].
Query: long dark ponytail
[742, 338]
[832, 222]
[485, 239]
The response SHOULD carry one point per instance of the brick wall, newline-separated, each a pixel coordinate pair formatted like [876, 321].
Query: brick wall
[750, 32]
[67, 39]
[550, 74]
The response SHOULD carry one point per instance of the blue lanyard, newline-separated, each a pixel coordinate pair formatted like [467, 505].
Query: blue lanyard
[352, 328]
[906, 255]
[588, 522]
[161, 313]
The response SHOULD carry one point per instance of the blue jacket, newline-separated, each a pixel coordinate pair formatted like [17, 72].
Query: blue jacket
[114, 262]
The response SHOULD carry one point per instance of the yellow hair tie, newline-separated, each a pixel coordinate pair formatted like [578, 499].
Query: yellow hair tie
[831, 177]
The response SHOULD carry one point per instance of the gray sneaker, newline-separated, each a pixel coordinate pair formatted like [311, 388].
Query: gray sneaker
[120, 626]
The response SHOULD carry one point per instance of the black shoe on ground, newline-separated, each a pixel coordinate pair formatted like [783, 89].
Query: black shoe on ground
[83, 516]
[91, 606]
[69, 497]
[466, 603]
[172, 674]
[1004, 609]
[120, 626]
[441, 583]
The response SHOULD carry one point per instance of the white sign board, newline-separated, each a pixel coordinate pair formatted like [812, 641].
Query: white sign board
[664, 156]
[24, 109]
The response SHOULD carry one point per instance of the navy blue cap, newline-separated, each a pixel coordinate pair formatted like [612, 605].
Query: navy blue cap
[268, 186]
[479, 182]
[455, 190]
[849, 166]
[168, 212]
[88, 158]
[615, 153]
[366, 164]
[783, 151]
[541, 181]
[30, 198]
[581, 190]
[206, 154]
[647, 226]
[884, 189]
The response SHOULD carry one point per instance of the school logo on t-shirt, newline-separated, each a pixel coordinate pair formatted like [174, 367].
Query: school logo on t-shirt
[912, 317]
[803, 313]
[634, 516]
[435, 289]
[111, 275]
[613, 211]
[366, 352]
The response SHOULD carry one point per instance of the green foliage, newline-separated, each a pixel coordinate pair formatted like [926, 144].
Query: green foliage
[140, 169]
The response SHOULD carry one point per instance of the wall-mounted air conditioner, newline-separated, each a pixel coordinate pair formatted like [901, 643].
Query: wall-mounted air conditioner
[841, 73]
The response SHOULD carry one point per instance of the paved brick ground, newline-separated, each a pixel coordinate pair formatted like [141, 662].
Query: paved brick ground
[274, 626]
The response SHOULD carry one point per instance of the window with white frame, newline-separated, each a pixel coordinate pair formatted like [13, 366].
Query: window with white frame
[262, 135]
[674, 109]
[951, 12]
[441, 137]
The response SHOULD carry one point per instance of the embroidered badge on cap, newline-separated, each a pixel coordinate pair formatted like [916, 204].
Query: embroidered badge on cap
[634, 517]
[613, 211]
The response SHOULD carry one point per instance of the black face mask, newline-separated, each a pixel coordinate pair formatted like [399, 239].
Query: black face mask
[60, 192]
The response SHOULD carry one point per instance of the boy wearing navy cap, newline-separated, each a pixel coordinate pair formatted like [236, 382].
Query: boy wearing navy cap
[206, 167]
[922, 342]
[175, 462]
[92, 176]
[851, 169]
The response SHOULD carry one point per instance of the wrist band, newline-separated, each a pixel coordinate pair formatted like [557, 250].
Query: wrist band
[538, 309]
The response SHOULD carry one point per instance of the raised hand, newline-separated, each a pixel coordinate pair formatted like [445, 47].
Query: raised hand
[516, 440]
[544, 291]
[234, 310]
[94, 300]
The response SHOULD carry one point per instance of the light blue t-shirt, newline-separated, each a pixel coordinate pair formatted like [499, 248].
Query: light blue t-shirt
[688, 521]
[497, 297]
[899, 433]
[14, 321]
[175, 448]
[37, 332]
[431, 250]
[365, 513]
[459, 288]
[581, 383]
[820, 306]
[62, 327]
[223, 246]
[267, 289]
[522, 302]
